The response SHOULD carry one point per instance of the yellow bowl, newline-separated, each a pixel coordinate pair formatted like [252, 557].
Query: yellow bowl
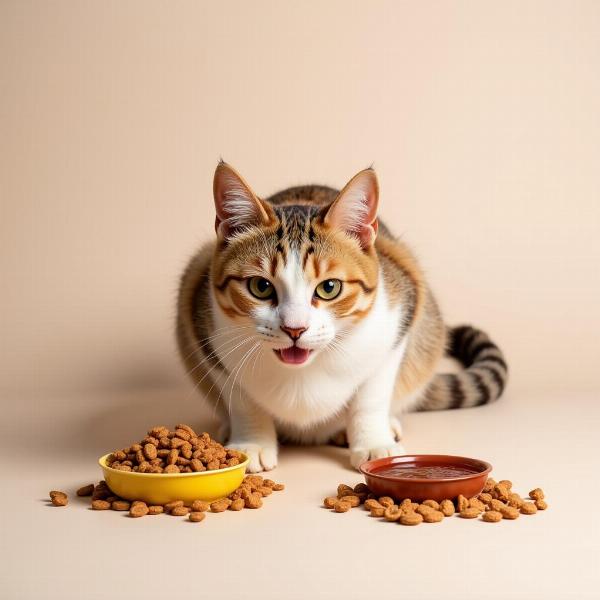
[160, 488]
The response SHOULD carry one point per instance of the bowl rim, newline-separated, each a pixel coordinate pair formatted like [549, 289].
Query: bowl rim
[102, 463]
[363, 468]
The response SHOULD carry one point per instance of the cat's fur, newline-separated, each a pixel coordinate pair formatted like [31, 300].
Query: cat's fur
[375, 348]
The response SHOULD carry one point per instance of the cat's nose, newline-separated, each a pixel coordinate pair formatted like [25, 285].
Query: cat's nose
[294, 332]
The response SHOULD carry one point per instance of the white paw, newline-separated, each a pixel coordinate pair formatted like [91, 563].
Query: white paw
[360, 455]
[262, 457]
[396, 428]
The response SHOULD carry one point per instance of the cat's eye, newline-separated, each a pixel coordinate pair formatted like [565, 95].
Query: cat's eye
[261, 288]
[328, 289]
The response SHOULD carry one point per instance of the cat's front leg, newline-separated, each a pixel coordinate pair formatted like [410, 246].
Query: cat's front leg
[253, 432]
[369, 428]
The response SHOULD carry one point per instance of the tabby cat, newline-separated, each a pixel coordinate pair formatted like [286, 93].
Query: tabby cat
[307, 320]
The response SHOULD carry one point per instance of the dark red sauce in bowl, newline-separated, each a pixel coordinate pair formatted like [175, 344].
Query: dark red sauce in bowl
[426, 476]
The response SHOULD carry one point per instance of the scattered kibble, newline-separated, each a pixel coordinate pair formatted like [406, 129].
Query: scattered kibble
[184, 451]
[58, 498]
[86, 490]
[495, 503]
[492, 516]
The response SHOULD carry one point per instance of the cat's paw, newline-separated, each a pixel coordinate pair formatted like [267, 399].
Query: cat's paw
[360, 455]
[262, 457]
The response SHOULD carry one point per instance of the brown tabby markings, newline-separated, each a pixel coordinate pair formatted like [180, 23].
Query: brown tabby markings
[295, 224]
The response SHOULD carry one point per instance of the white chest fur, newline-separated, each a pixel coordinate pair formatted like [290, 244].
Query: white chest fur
[304, 397]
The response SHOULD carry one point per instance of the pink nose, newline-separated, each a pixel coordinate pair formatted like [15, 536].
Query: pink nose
[294, 332]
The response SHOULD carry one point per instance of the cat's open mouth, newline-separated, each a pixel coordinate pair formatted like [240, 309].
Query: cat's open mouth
[293, 355]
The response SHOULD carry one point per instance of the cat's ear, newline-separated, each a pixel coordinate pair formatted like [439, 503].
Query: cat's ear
[236, 205]
[355, 209]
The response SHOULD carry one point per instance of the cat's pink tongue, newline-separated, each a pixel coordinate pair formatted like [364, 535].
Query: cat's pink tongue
[293, 355]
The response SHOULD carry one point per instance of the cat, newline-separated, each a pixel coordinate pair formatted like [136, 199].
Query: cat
[307, 320]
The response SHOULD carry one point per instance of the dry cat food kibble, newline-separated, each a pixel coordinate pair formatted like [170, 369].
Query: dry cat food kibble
[179, 451]
[58, 498]
[497, 502]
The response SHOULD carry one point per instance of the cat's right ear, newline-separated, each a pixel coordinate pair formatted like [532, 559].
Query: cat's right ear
[236, 205]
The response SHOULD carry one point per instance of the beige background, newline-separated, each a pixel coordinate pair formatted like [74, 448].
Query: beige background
[482, 121]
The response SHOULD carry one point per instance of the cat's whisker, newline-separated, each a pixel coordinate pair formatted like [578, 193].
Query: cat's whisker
[215, 351]
[196, 386]
[208, 339]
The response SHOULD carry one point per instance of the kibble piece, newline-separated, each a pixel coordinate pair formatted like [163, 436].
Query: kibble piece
[536, 494]
[392, 513]
[169, 506]
[485, 498]
[139, 509]
[237, 504]
[267, 491]
[422, 509]
[371, 503]
[361, 488]
[120, 505]
[492, 516]
[343, 488]
[505, 483]
[180, 511]
[200, 506]
[377, 511]
[196, 517]
[100, 505]
[197, 465]
[541, 504]
[150, 451]
[59, 498]
[341, 507]
[528, 508]
[220, 505]
[352, 500]
[509, 512]
[496, 505]
[478, 504]
[330, 501]
[386, 501]
[253, 500]
[86, 490]
[171, 469]
[462, 503]
[278, 487]
[501, 492]
[155, 509]
[447, 508]
[469, 513]
[410, 518]
[433, 516]
[489, 485]
[432, 503]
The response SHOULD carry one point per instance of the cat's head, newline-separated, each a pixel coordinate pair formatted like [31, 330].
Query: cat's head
[297, 273]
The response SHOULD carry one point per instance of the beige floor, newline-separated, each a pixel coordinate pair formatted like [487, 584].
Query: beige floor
[293, 548]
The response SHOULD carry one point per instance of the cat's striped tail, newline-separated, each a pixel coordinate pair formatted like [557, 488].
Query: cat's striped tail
[482, 380]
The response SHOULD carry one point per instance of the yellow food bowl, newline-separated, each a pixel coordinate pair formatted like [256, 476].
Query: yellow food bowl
[160, 488]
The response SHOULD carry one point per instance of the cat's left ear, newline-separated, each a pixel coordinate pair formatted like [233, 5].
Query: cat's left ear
[355, 209]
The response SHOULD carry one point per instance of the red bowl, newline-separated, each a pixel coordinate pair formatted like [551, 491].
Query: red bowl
[438, 488]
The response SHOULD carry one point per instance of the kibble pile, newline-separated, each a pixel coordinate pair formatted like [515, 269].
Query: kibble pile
[179, 451]
[496, 502]
[250, 494]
